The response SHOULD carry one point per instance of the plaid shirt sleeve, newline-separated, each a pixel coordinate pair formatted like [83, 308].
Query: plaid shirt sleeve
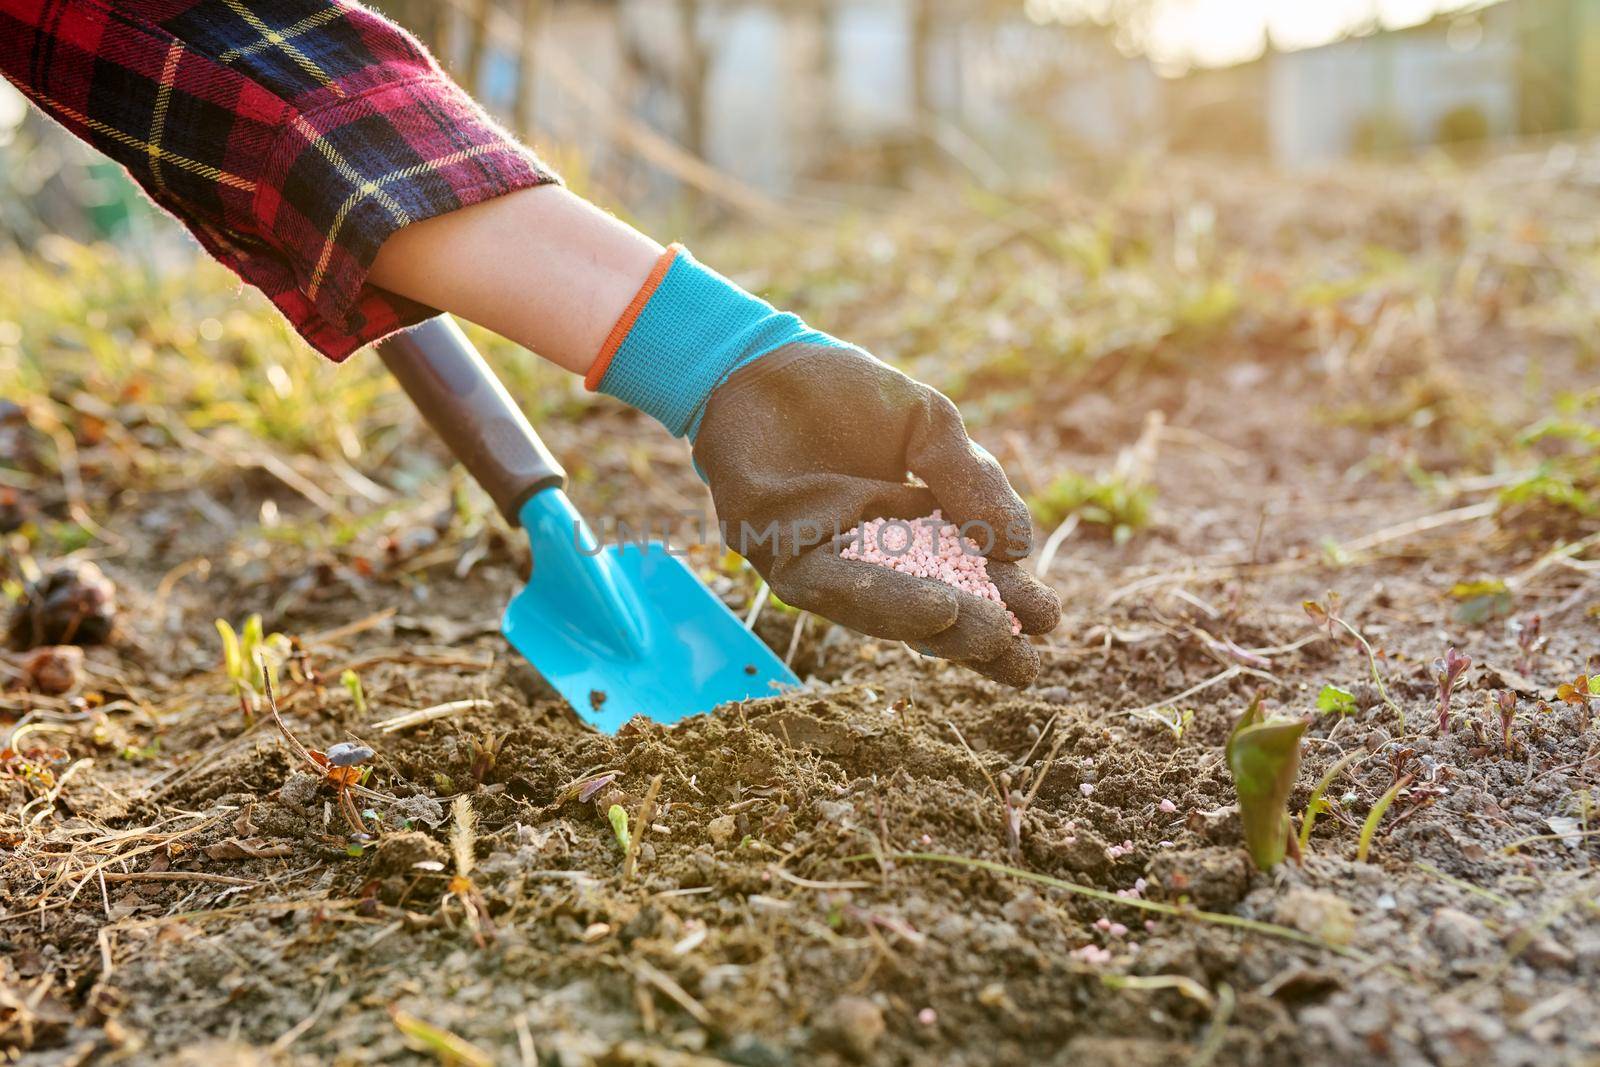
[292, 137]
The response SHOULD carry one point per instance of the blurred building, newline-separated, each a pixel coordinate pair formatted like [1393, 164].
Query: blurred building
[1512, 69]
[836, 98]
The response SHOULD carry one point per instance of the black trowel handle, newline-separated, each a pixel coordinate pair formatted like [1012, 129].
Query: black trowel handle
[465, 403]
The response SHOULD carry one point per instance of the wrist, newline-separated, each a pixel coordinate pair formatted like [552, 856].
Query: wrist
[684, 332]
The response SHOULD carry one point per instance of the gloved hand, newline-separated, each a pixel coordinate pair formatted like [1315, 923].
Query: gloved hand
[801, 438]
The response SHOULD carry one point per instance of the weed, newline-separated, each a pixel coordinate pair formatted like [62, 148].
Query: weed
[1110, 500]
[1326, 614]
[1317, 804]
[1480, 601]
[352, 684]
[244, 651]
[1447, 671]
[485, 754]
[1579, 692]
[1263, 752]
[1565, 485]
[1333, 700]
[1375, 816]
[641, 822]
[1505, 705]
[446, 1047]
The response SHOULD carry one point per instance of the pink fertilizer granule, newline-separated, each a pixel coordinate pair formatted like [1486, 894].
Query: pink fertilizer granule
[911, 547]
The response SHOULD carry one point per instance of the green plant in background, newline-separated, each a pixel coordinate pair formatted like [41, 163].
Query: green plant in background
[352, 684]
[1114, 502]
[242, 650]
[1567, 483]
[1263, 752]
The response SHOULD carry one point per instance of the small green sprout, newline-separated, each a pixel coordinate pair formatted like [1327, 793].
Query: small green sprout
[1263, 752]
[619, 826]
[1318, 802]
[352, 684]
[244, 651]
[1375, 816]
[1333, 700]
[1326, 614]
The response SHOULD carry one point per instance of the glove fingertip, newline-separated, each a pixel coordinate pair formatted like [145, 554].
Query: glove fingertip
[1017, 665]
[1036, 605]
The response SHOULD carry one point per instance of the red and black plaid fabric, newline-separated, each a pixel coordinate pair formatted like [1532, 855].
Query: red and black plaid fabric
[291, 136]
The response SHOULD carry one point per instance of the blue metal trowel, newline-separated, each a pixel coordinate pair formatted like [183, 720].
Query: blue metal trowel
[619, 630]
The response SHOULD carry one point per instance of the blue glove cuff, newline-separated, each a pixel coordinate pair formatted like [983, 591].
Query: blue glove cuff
[685, 332]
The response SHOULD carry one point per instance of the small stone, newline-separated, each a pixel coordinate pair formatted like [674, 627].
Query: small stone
[1548, 954]
[299, 790]
[1212, 878]
[854, 1025]
[1458, 935]
[1317, 913]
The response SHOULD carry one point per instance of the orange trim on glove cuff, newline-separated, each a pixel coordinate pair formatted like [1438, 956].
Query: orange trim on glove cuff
[630, 315]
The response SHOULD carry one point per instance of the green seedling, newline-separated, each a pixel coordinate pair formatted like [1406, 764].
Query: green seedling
[352, 684]
[1318, 802]
[1326, 614]
[1335, 701]
[619, 826]
[246, 650]
[1263, 752]
[1375, 816]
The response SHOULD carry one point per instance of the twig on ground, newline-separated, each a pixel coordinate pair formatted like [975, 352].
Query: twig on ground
[174, 876]
[438, 711]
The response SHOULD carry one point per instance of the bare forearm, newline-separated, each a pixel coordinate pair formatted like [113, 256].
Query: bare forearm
[541, 266]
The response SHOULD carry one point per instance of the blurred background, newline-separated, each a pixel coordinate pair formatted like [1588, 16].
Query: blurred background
[744, 107]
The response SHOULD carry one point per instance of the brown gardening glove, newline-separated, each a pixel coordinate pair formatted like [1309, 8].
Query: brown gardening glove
[809, 441]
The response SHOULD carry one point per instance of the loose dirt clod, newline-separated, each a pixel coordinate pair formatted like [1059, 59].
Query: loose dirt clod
[73, 604]
[54, 669]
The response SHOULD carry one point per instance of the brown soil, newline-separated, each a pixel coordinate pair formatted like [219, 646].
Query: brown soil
[776, 916]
